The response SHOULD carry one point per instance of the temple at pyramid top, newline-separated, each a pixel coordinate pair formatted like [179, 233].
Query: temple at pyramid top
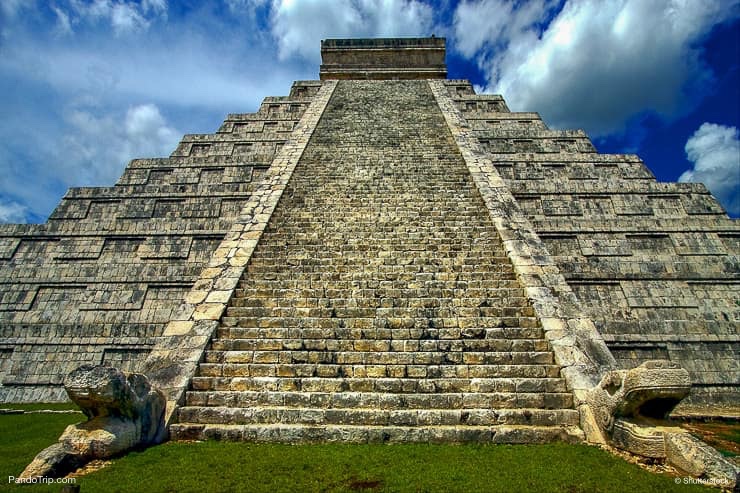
[383, 58]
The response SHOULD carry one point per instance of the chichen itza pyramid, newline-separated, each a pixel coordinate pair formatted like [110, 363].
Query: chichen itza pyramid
[380, 255]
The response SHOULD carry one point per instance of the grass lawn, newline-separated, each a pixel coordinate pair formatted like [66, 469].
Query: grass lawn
[214, 466]
[53, 406]
[22, 436]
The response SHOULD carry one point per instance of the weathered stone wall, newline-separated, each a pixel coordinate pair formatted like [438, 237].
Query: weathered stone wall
[655, 265]
[100, 279]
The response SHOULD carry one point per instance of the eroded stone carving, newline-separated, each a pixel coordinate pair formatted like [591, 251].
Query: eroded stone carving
[124, 412]
[651, 390]
[631, 408]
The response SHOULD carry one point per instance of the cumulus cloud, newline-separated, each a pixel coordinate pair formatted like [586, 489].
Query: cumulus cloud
[490, 24]
[99, 146]
[597, 63]
[714, 151]
[299, 26]
[12, 212]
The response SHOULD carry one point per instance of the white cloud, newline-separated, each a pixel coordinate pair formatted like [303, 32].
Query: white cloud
[491, 23]
[188, 70]
[299, 26]
[598, 63]
[12, 212]
[148, 132]
[74, 102]
[715, 151]
[99, 146]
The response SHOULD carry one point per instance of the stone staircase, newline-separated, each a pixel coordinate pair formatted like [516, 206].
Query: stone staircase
[379, 304]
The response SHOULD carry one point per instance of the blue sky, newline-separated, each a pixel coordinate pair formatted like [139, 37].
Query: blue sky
[87, 85]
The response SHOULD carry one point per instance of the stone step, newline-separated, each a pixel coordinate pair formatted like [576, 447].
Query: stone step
[379, 268]
[376, 271]
[431, 181]
[379, 328]
[467, 234]
[309, 236]
[408, 313]
[445, 296]
[447, 224]
[377, 353]
[388, 275]
[410, 259]
[342, 253]
[434, 178]
[390, 240]
[449, 346]
[379, 304]
[399, 232]
[377, 284]
[389, 230]
[365, 400]
[404, 231]
[283, 328]
[422, 367]
[430, 186]
[386, 303]
[383, 385]
[293, 433]
[377, 417]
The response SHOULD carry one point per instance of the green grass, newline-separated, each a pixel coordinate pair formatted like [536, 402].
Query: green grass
[54, 406]
[215, 466]
[22, 436]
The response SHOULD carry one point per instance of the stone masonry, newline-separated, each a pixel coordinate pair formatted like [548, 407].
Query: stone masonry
[377, 260]
[98, 282]
[654, 265]
[379, 303]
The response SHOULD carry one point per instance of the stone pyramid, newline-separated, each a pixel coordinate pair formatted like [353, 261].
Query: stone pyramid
[382, 255]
